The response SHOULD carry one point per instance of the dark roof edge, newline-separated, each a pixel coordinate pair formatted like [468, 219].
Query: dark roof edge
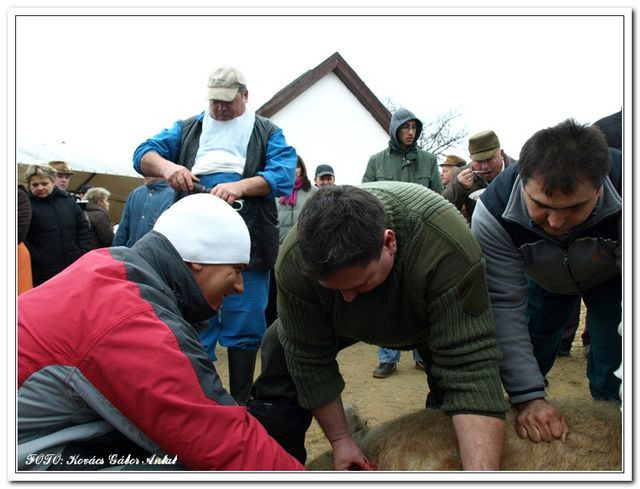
[336, 64]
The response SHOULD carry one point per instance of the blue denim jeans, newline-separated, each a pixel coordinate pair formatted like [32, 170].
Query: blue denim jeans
[387, 355]
[240, 322]
[547, 313]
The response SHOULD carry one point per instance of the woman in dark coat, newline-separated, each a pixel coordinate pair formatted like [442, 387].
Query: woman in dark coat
[23, 215]
[101, 233]
[59, 231]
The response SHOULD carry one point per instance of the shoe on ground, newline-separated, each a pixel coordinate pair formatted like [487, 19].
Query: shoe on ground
[384, 370]
[419, 365]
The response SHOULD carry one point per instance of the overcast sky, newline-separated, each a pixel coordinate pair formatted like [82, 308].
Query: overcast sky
[106, 83]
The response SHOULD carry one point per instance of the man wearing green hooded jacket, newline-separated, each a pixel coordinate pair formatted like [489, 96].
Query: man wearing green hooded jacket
[402, 161]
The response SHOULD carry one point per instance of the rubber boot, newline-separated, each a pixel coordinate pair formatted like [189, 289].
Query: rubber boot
[286, 424]
[242, 365]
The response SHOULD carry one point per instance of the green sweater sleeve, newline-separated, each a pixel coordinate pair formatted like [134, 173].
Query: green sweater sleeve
[465, 358]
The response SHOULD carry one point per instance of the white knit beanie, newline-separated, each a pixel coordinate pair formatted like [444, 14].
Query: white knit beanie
[205, 229]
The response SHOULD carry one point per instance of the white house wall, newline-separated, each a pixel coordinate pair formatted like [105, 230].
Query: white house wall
[327, 124]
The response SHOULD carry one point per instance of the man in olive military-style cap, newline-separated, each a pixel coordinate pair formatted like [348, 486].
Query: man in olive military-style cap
[488, 160]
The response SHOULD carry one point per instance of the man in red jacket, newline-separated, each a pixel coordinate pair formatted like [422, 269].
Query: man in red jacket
[111, 373]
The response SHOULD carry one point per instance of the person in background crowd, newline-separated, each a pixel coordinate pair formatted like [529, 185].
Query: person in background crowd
[83, 191]
[289, 208]
[244, 159]
[550, 231]
[141, 210]
[111, 373]
[101, 234]
[488, 160]
[324, 176]
[59, 231]
[450, 167]
[25, 277]
[402, 161]
[63, 174]
[611, 127]
[358, 260]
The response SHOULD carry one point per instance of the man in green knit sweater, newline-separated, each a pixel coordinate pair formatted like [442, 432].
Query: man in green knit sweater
[391, 264]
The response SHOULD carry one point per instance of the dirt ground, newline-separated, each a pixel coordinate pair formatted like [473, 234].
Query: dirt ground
[379, 400]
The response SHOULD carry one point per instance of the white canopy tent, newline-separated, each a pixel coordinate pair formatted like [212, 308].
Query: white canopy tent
[120, 179]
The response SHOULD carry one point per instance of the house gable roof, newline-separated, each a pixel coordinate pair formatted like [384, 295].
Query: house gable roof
[336, 64]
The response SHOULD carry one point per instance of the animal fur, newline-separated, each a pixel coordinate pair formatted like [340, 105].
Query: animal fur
[425, 441]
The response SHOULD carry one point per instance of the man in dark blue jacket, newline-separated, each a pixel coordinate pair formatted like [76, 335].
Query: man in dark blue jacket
[143, 207]
[611, 126]
[550, 232]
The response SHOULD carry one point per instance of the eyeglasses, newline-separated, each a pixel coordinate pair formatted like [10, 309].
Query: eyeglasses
[64, 175]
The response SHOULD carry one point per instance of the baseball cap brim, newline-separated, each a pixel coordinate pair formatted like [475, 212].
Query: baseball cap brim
[324, 174]
[224, 94]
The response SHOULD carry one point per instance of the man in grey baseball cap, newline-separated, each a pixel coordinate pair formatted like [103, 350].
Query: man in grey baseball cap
[242, 158]
[225, 83]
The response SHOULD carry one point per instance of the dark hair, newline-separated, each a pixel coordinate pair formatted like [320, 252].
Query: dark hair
[565, 154]
[306, 184]
[340, 226]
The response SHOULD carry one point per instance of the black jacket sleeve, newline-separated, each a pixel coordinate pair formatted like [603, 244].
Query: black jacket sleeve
[24, 214]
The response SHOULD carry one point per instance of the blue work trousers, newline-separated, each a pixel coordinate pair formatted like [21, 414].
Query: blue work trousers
[240, 323]
[547, 314]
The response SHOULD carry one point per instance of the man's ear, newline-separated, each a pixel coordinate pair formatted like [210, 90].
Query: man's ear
[390, 241]
[195, 267]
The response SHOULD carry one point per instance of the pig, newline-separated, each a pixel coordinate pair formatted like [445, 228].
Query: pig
[425, 441]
